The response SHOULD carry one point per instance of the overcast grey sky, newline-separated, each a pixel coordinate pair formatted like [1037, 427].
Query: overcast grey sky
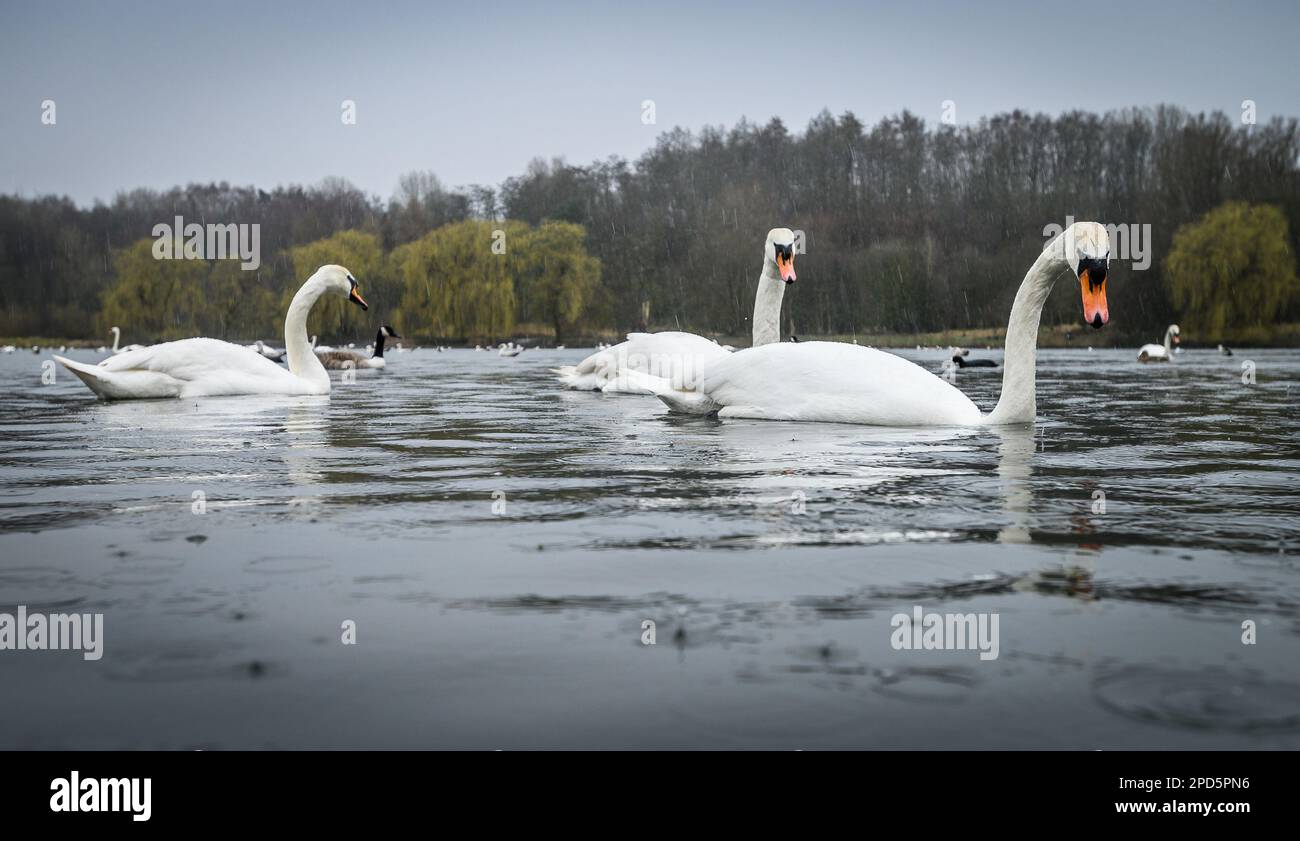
[157, 94]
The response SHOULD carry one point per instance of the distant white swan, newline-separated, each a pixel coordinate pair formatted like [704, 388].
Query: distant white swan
[208, 367]
[271, 353]
[681, 358]
[117, 336]
[843, 383]
[349, 359]
[509, 349]
[1160, 353]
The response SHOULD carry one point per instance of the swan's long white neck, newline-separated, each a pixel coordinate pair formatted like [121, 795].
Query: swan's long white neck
[117, 334]
[1169, 341]
[302, 359]
[1018, 403]
[767, 306]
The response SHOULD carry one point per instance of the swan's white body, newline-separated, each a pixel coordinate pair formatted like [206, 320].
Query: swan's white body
[841, 383]
[209, 367]
[681, 358]
[1160, 353]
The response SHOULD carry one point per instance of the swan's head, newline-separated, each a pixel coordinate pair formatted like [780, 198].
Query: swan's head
[779, 252]
[341, 282]
[1174, 331]
[1087, 250]
[389, 332]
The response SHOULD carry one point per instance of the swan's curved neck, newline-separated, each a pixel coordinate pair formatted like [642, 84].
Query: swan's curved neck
[767, 307]
[1169, 341]
[1017, 404]
[302, 360]
[117, 334]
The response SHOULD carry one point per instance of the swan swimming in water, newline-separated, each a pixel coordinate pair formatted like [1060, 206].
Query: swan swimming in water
[348, 359]
[842, 383]
[208, 367]
[271, 353]
[682, 357]
[117, 336]
[1160, 353]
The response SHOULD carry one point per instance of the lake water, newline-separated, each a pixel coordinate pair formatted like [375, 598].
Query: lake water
[499, 542]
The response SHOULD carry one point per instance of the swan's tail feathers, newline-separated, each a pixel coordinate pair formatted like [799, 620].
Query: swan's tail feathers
[571, 377]
[677, 400]
[688, 402]
[98, 380]
[124, 384]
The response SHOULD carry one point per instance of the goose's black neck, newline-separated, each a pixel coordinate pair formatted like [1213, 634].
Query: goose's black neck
[379, 345]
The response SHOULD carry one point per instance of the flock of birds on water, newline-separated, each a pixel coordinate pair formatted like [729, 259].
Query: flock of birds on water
[796, 380]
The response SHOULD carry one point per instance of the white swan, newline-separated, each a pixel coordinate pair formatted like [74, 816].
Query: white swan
[348, 359]
[509, 349]
[117, 336]
[1160, 353]
[680, 357]
[271, 353]
[843, 383]
[208, 367]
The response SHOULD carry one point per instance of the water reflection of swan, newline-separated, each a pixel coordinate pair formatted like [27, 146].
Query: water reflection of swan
[305, 441]
[1015, 449]
[1015, 470]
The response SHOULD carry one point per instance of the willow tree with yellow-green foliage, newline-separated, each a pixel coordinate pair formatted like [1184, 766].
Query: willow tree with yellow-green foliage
[153, 299]
[360, 253]
[1232, 269]
[459, 280]
[557, 278]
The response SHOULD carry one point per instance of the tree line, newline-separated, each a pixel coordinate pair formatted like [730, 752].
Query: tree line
[908, 228]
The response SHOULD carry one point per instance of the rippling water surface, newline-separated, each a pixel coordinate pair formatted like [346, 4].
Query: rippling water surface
[499, 543]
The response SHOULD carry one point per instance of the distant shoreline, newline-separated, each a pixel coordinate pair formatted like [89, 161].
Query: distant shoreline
[1275, 336]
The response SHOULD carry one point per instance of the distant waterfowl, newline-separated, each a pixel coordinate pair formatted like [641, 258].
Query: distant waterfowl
[117, 336]
[271, 353]
[208, 367]
[1225, 350]
[509, 349]
[680, 358]
[843, 383]
[346, 359]
[962, 362]
[8, 349]
[1160, 353]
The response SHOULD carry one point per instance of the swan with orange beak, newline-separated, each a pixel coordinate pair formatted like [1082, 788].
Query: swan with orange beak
[842, 383]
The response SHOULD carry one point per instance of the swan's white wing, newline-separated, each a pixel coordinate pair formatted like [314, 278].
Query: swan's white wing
[674, 356]
[834, 382]
[188, 368]
[679, 358]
